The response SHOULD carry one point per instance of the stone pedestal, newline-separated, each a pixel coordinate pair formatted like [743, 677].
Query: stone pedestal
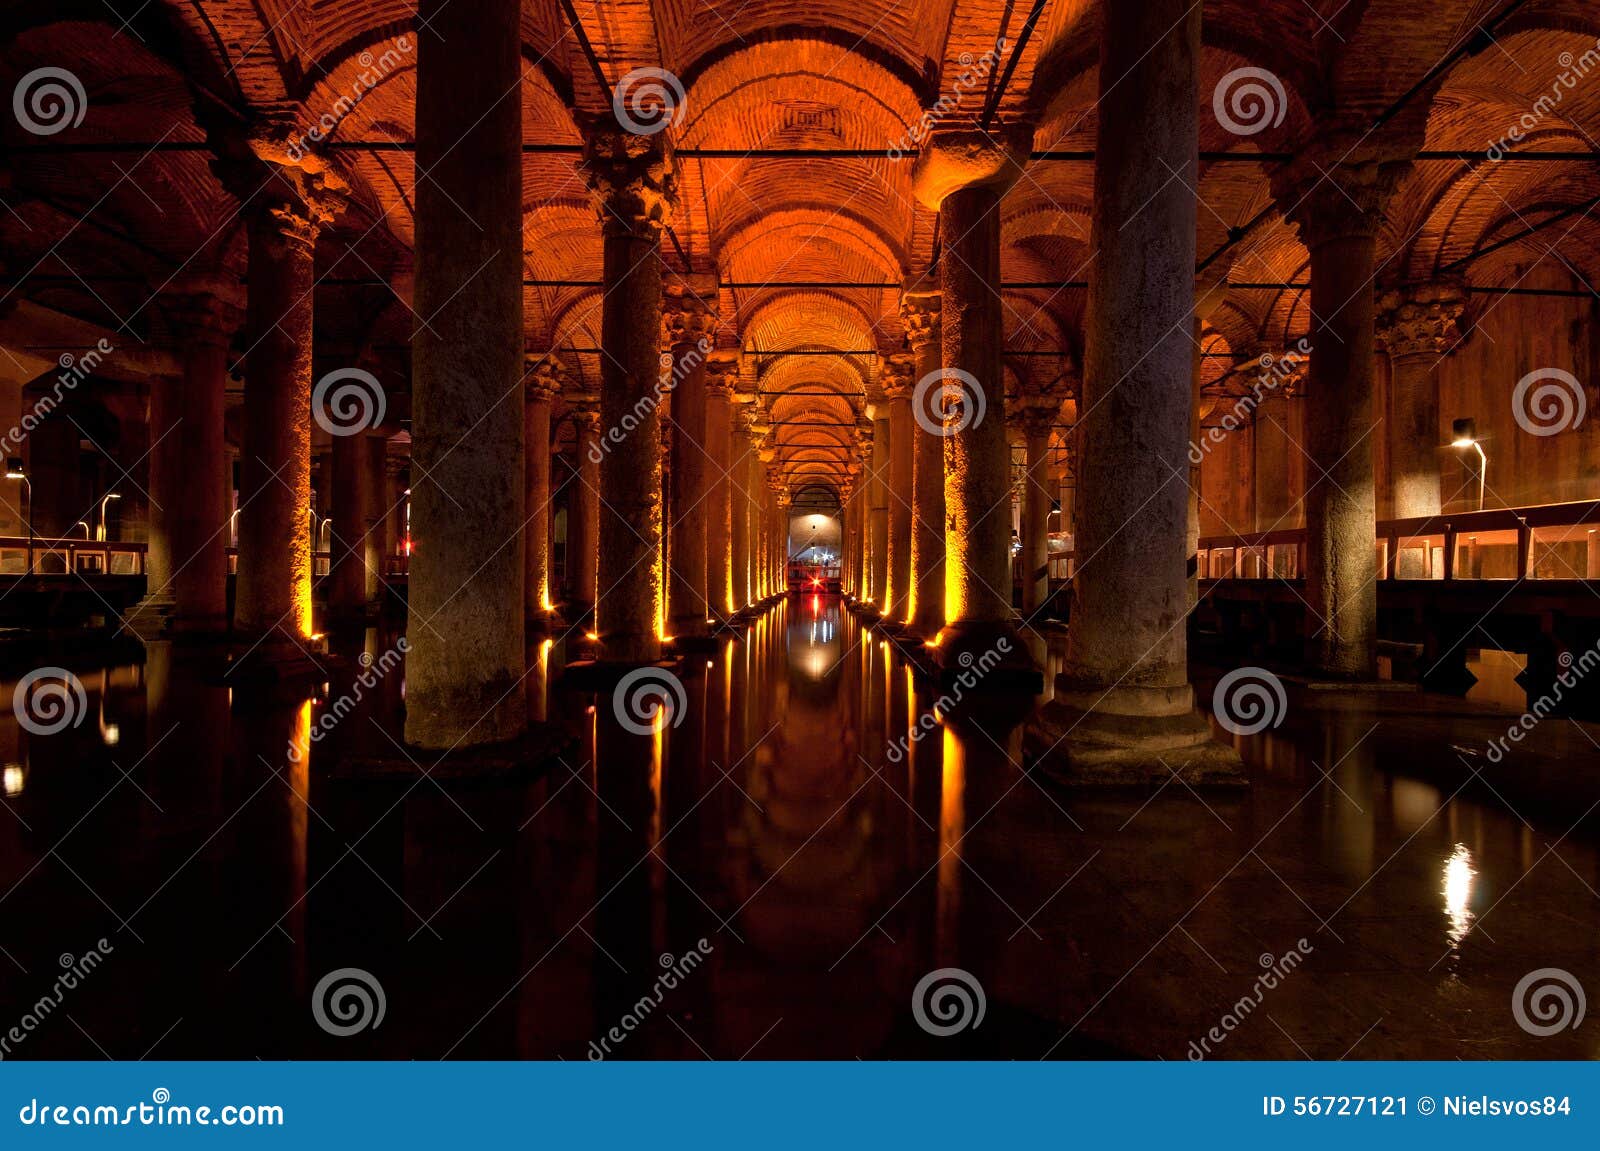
[465, 664]
[1124, 710]
[1418, 327]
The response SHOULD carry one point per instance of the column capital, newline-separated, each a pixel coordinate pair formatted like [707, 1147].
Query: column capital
[394, 465]
[1036, 414]
[204, 308]
[952, 160]
[1331, 196]
[547, 378]
[722, 372]
[688, 310]
[897, 374]
[288, 191]
[921, 310]
[632, 178]
[585, 409]
[1420, 319]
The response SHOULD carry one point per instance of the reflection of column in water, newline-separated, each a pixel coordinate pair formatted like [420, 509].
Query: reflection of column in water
[952, 826]
[627, 782]
[538, 681]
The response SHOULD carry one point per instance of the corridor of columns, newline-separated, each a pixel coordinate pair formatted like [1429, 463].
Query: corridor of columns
[948, 528]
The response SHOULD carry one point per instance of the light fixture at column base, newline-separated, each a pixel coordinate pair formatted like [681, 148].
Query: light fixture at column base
[988, 653]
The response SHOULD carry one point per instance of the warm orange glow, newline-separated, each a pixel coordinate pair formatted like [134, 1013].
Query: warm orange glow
[591, 635]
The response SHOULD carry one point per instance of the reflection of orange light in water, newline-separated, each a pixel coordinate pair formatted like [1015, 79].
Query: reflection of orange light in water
[1458, 877]
[952, 826]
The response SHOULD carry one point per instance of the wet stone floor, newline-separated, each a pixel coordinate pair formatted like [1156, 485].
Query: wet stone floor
[772, 874]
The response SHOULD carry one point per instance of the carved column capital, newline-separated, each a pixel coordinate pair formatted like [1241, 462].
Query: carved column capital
[204, 308]
[921, 312]
[722, 373]
[1420, 319]
[897, 376]
[632, 179]
[547, 378]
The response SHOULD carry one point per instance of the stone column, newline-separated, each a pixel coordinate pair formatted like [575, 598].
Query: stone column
[878, 503]
[396, 469]
[964, 175]
[761, 501]
[690, 321]
[286, 208]
[1274, 442]
[347, 573]
[633, 185]
[742, 541]
[1037, 418]
[545, 379]
[464, 667]
[583, 505]
[899, 381]
[722, 376]
[375, 451]
[187, 573]
[861, 498]
[1337, 208]
[1418, 328]
[919, 308]
[1124, 710]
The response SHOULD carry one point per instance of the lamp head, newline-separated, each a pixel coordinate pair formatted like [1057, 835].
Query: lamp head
[1465, 432]
[15, 469]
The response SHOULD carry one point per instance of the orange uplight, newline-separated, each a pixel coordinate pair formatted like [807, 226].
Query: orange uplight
[592, 635]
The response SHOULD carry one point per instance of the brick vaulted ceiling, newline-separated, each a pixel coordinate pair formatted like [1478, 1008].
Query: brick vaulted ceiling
[94, 232]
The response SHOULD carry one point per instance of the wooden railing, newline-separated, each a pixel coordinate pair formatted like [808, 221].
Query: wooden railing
[22, 555]
[1546, 541]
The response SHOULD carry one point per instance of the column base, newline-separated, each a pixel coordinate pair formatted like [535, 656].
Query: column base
[544, 621]
[989, 650]
[274, 661]
[680, 644]
[525, 757]
[485, 713]
[1079, 740]
[600, 674]
[157, 618]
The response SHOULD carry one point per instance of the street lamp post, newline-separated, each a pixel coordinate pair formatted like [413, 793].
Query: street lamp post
[1466, 436]
[16, 471]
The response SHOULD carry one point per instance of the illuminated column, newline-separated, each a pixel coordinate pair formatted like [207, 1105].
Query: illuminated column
[1124, 710]
[1338, 209]
[347, 572]
[375, 518]
[760, 459]
[878, 502]
[464, 665]
[583, 504]
[286, 206]
[1274, 440]
[964, 175]
[742, 500]
[899, 379]
[690, 322]
[634, 185]
[546, 378]
[395, 501]
[1418, 327]
[920, 310]
[722, 376]
[188, 516]
[1037, 418]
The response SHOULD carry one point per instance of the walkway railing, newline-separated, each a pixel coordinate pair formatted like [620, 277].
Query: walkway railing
[1546, 541]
